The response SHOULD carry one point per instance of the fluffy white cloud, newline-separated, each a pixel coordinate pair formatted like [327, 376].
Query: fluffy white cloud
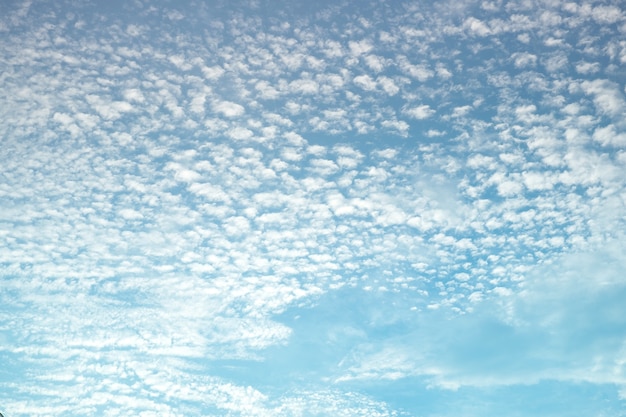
[420, 112]
[228, 108]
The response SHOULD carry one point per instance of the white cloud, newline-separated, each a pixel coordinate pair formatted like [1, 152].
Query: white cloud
[509, 188]
[420, 71]
[197, 104]
[266, 91]
[524, 59]
[375, 62]
[332, 49]
[228, 108]
[420, 112]
[607, 14]
[134, 95]
[476, 27]
[365, 82]
[388, 85]
[213, 73]
[291, 154]
[608, 135]
[304, 86]
[607, 96]
[240, 133]
[324, 167]
[538, 180]
[587, 67]
[461, 111]
[433, 133]
[400, 126]
[387, 153]
[360, 47]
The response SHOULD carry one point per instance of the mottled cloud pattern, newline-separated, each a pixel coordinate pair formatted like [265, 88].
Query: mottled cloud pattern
[331, 209]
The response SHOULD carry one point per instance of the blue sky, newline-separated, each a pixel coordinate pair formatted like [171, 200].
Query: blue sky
[288, 208]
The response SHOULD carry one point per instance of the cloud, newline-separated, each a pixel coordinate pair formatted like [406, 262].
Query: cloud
[476, 27]
[360, 47]
[420, 112]
[421, 72]
[164, 213]
[240, 133]
[388, 85]
[304, 86]
[400, 126]
[229, 109]
[607, 14]
[565, 324]
[609, 136]
[522, 60]
[365, 82]
[606, 95]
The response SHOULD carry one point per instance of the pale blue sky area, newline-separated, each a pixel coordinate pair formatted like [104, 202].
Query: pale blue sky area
[293, 209]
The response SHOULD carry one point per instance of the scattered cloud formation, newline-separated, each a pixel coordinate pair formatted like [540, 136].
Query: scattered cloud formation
[289, 209]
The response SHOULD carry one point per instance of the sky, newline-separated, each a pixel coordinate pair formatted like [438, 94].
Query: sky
[313, 208]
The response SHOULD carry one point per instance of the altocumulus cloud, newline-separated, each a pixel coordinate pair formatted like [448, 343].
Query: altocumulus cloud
[289, 209]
